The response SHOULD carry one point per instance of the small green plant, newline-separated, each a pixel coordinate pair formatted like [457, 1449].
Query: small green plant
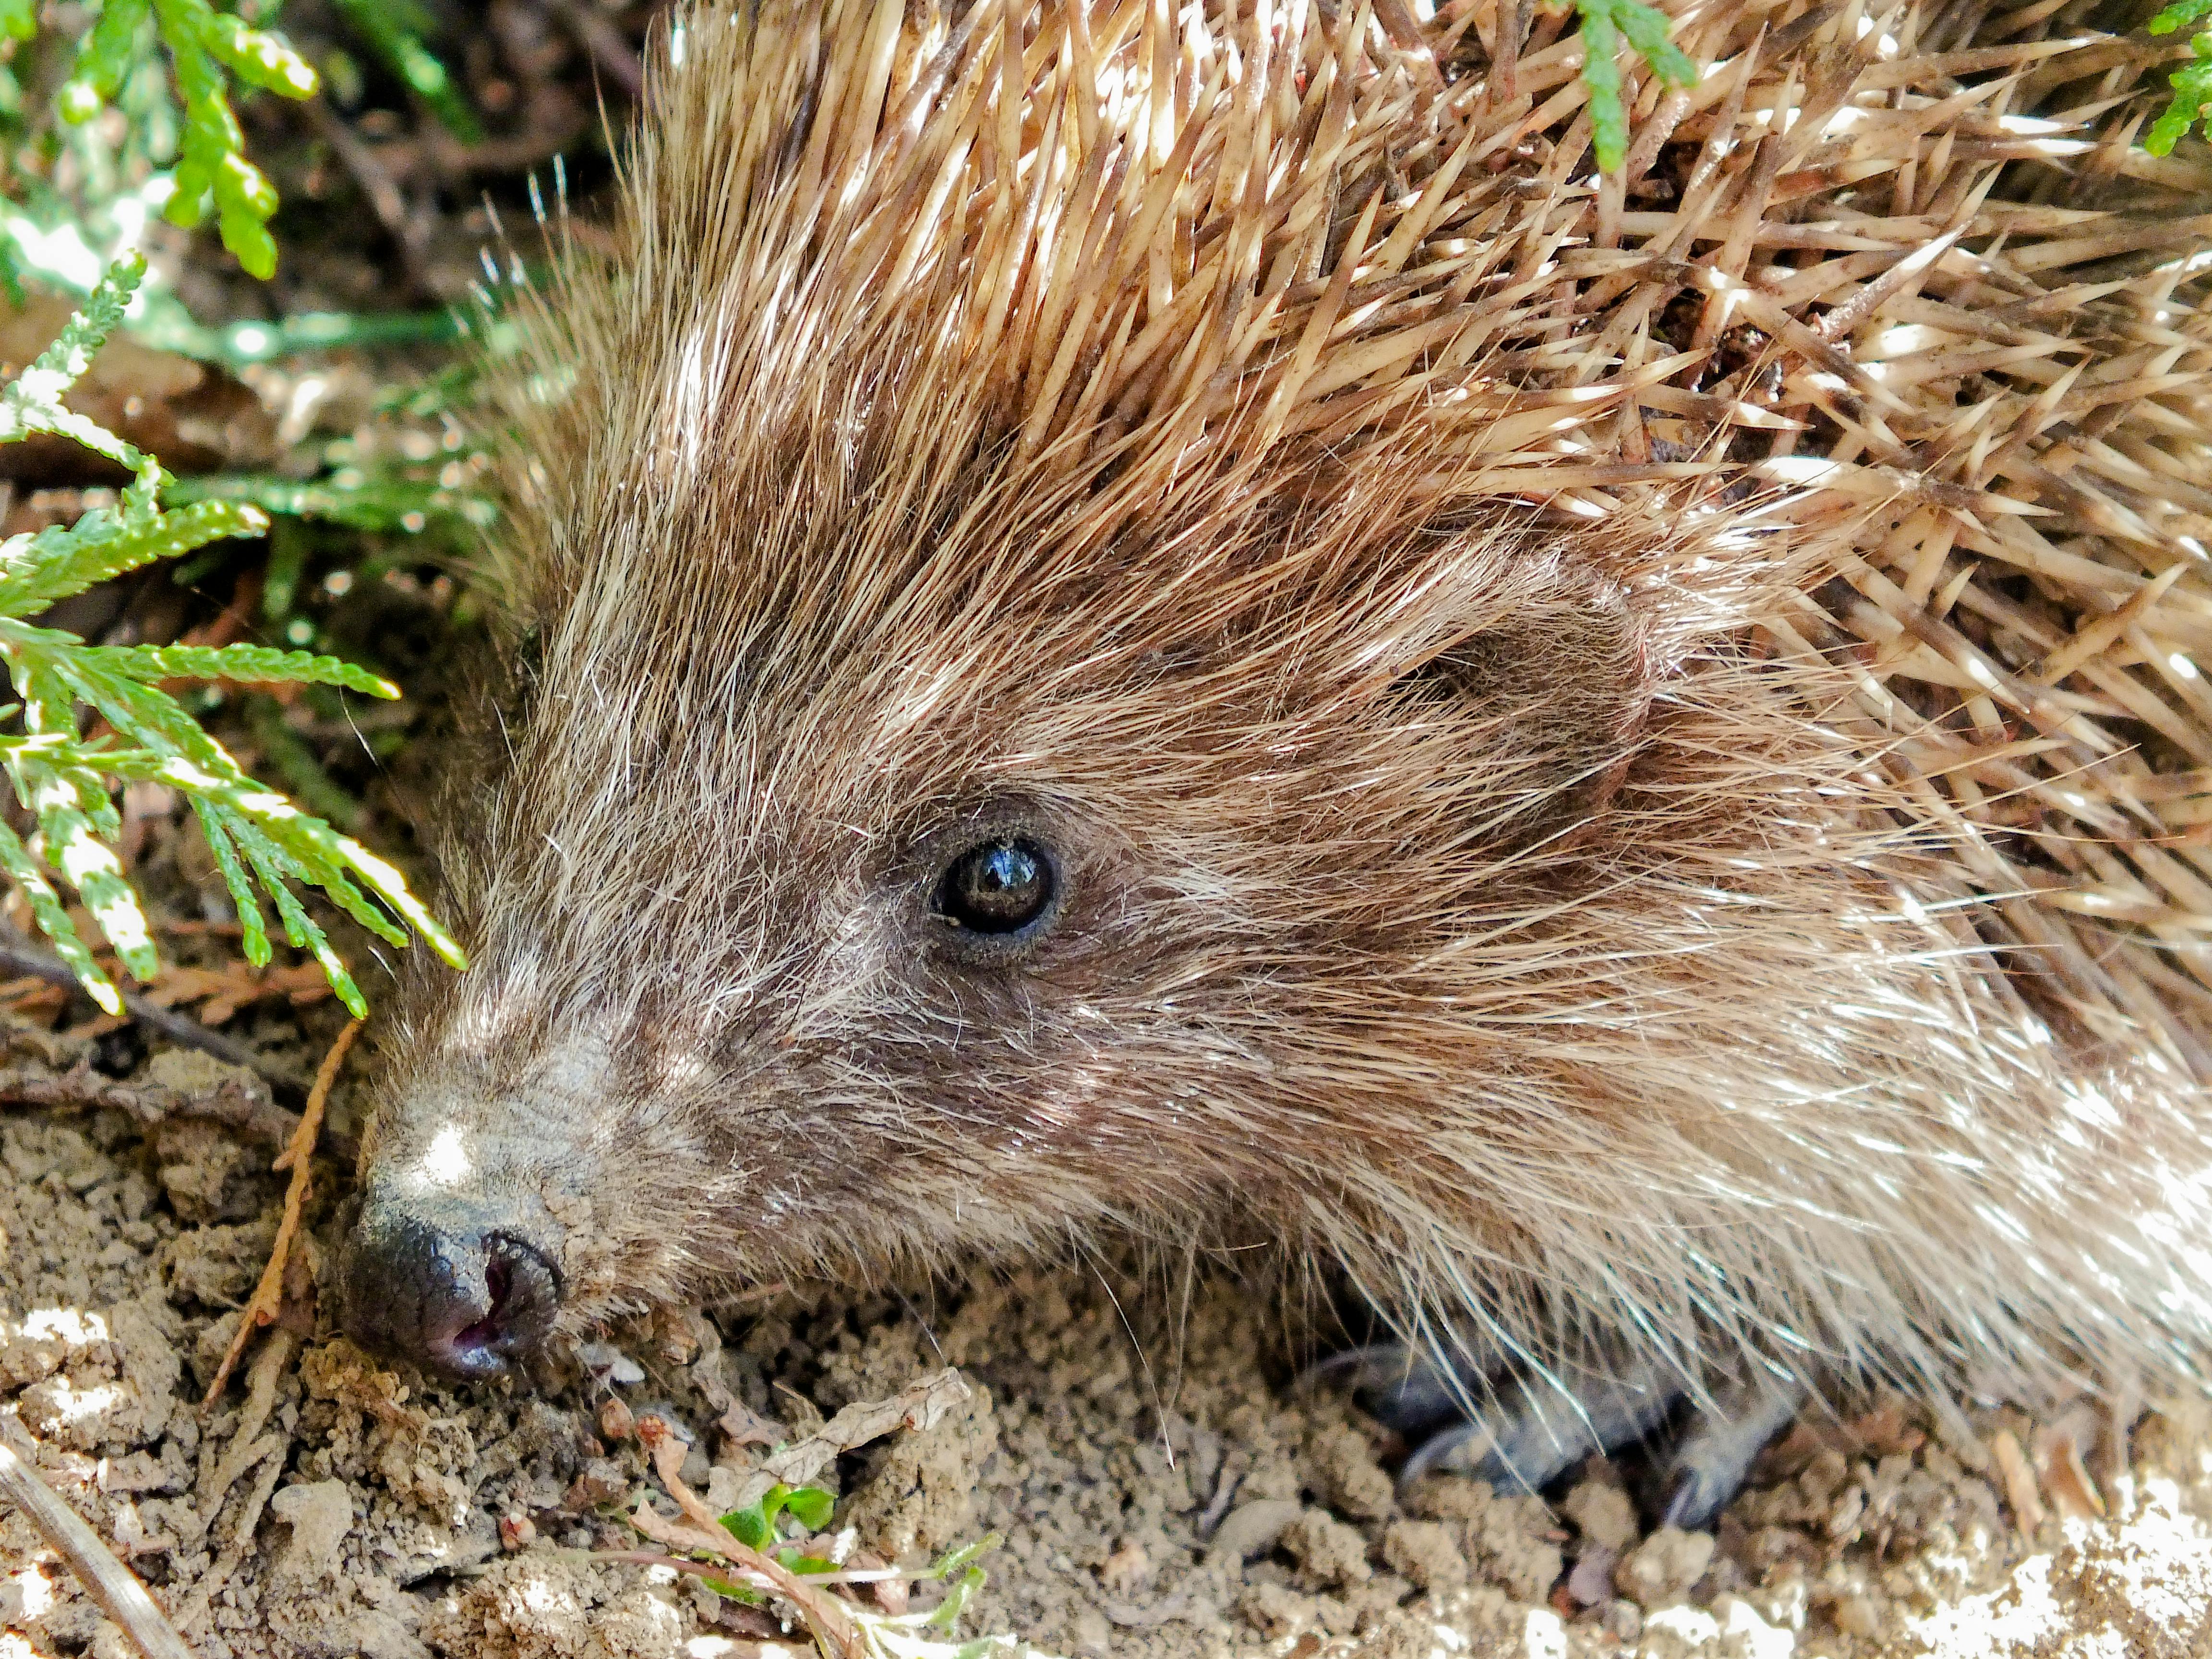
[963, 1562]
[1604, 22]
[2192, 82]
[206, 48]
[259, 839]
[905, 1636]
[754, 1526]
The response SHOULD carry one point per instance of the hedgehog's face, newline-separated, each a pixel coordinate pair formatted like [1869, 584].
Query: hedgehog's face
[925, 960]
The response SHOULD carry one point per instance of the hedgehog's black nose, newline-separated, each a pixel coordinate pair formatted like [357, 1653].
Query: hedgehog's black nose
[466, 1300]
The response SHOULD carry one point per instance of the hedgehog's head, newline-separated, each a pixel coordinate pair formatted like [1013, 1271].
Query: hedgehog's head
[886, 897]
[1029, 721]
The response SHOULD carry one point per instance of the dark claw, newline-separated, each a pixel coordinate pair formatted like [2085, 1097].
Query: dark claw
[1708, 1464]
[1530, 1432]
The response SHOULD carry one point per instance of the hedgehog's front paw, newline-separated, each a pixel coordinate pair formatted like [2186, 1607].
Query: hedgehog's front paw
[1520, 1433]
[1711, 1454]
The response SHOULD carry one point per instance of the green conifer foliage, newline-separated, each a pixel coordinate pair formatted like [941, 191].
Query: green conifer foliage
[206, 48]
[2192, 82]
[262, 842]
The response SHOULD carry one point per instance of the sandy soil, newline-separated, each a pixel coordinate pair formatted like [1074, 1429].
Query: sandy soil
[1157, 1491]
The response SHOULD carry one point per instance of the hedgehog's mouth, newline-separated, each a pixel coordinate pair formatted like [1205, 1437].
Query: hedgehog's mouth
[521, 1293]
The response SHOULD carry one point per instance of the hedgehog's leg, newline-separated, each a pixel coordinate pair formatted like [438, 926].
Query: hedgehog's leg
[1511, 1430]
[1523, 1432]
[1527, 1431]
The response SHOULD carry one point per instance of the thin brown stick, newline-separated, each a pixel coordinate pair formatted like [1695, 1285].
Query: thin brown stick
[604, 45]
[410, 231]
[700, 1568]
[110, 1582]
[82, 1089]
[267, 1297]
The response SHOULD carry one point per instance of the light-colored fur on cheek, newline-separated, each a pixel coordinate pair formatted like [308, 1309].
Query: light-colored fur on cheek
[1132, 435]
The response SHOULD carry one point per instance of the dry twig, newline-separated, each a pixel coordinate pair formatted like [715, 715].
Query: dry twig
[267, 1297]
[603, 43]
[236, 1102]
[110, 1582]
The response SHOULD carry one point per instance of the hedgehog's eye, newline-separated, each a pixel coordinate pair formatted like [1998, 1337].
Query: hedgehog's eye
[999, 887]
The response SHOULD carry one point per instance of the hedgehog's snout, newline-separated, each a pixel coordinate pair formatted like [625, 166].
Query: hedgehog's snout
[453, 1286]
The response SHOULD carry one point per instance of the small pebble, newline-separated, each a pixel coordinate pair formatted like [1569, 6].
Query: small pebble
[1623, 1622]
[1127, 1569]
[1663, 1566]
[1604, 1514]
[605, 1361]
[1858, 1615]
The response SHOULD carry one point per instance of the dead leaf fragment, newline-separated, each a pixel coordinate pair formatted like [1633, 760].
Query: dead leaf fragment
[919, 1405]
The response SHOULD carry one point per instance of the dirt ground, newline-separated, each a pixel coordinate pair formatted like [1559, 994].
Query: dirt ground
[1158, 1492]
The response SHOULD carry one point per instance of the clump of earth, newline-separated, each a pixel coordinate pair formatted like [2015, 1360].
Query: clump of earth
[1156, 1489]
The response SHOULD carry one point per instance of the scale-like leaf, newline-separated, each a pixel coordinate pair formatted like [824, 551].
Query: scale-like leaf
[245, 664]
[1603, 24]
[37, 570]
[53, 921]
[256, 836]
[91, 867]
[255, 56]
[1608, 118]
[299, 926]
[62, 364]
[104, 60]
[148, 718]
[253, 931]
[201, 43]
[2192, 103]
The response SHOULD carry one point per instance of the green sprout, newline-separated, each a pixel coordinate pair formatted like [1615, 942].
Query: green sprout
[754, 1526]
[259, 838]
[2192, 82]
[206, 48]
[1603, 24]
[908, 1635]
[971, 1578]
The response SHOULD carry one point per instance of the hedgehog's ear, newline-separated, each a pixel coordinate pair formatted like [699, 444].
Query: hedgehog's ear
[1548, 694]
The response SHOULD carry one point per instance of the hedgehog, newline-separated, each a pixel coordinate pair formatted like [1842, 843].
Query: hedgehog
[1185, 625]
